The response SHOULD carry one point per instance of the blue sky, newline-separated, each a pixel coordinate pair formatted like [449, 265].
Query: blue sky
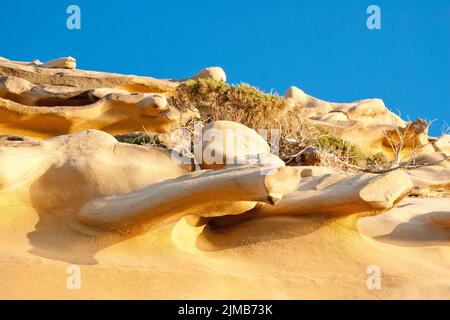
[321, 46]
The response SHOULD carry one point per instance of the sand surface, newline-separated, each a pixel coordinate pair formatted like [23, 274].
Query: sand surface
[278, 257]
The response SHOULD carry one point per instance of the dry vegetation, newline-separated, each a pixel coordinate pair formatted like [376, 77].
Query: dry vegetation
[300, 141]
[143, 138]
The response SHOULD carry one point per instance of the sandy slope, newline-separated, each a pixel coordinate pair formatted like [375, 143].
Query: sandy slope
[320, 258]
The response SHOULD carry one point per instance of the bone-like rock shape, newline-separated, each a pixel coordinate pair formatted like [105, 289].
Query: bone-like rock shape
[228, 142]
[334, 195]
[115, 113]
[60, 63]
[70, 177]
[205, 194]
[360, 193]
[47, 99]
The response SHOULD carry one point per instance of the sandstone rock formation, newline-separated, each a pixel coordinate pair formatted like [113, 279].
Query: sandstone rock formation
[443, 144]
[365, 123]
[60, 63]
[215, 73]
[49, 99]
[369, 111]
[148, 181]
[226, 142]
[430, 179]
[231, 212]
[68, 176]
[335, 195]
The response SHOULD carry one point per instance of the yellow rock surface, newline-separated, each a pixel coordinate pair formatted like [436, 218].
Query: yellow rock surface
[48, 99]
[139, 223]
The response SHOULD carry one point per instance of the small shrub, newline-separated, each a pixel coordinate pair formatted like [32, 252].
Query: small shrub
[142, 138]
[217, 100]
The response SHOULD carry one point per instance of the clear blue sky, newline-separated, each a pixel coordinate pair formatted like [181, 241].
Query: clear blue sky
[321, 46]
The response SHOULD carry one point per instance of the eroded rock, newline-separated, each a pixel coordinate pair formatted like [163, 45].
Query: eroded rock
[228, 143]
[53, 98]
